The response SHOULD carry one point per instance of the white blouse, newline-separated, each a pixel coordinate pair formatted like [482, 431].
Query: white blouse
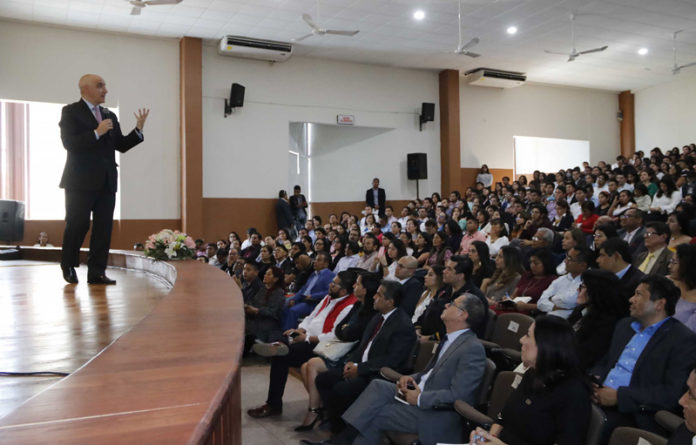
[665, 203]
[494, 247]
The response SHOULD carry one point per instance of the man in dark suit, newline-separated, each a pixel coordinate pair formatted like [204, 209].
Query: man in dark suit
[454, 373]
[283, 214]
[411, 281]
[615, 257]
[375, 197]
[298, 206]
[649, 359]
[387, 341]
[632, 231]
[655, 260]
[91, 134]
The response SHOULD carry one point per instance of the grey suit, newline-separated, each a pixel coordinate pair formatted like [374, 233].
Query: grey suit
[661, 264]
[455, 375]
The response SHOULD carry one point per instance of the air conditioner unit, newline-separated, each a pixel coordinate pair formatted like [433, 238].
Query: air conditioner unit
[487, 77]
[258, 49]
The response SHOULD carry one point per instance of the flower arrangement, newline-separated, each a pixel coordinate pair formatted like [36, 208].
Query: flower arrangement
[170, 245]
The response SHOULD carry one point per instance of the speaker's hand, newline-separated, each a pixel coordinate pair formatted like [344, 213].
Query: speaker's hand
[104, 126]
[141, 117]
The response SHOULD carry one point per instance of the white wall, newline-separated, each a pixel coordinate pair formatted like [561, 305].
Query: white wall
[41, 63]
[490, 117]
[665, 114]
[245, 154]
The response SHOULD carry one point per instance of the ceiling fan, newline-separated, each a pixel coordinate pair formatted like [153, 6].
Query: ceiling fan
[574, 54]
[677, 68]
[138, 5]
[463, 49]
[319, 31]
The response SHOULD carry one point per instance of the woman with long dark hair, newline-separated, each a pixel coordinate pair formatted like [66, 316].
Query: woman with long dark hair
[553, 395]
[483, 265]
[665, 200]
[263, 313]
[432, 283]
[440, 252]
[533, 282]
[508, 271]
[678, 223]
[267, 259]
[594, 318]
[423, 245]
[395, 250]
[681, 269]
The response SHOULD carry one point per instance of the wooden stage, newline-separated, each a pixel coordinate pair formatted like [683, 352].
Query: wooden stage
[153, 359]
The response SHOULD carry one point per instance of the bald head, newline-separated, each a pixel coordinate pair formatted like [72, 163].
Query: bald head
[405, 267]
[93, 88]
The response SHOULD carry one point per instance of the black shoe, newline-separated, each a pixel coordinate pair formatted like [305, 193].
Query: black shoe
[70, 275]
[100, 279]
[320, 415]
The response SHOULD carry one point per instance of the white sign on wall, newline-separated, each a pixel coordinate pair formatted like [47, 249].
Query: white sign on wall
[345, 119]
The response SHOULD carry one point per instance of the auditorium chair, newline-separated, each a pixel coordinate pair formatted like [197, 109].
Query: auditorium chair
[399, 438]
[504, 346]
[633, 436]
[668, 420]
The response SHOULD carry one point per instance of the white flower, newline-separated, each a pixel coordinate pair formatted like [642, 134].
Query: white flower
[170, 251]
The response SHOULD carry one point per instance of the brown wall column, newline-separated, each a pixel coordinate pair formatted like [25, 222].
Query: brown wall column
[450, 156]
[191, 93]
[628, 124]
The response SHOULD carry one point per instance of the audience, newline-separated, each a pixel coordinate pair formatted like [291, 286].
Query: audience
[560, 298]
[263, 312]
[508, 271]
[683, 273]
[614, 256]
[655, 260]
[316, 287]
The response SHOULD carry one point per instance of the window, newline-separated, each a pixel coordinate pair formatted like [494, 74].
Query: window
[548, 154]
[32, 158]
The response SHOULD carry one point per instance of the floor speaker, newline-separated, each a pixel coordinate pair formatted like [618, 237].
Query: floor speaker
[11, 220]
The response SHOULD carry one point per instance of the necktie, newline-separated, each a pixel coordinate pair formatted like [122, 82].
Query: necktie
[97, 113]
[374, 334]
[644, 265]
[435, 358]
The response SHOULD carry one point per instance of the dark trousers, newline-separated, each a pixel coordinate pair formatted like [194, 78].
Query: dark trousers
[79, 205]
[615, 419]
[280, 365]
[337, 394]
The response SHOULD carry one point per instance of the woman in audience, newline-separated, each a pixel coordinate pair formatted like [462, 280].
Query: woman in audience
[367, 224]
[641, 197]
[483, 225]
[521, 220]
[564, 219]
[679, 229]
[484, 176]
[403, 236]
[553, 396]
[440, 253]
[232, 236]
[665, 200]
[423, 245]
[320, 245]
[267, 259]
[412, 228]
[602, 233]
[308, 245]
[483, 265]
[454, 233]
[604, 203]
[646, 178]
[263, 313]
[571, 238]
[284, 238]
[508, 271]
[587, 218]
[622, 203]
[348, 330]
[433, 284]
[682, 270]
[542, 271]
[338, 251]
[497, 238]
[395, 250]
[594, 318]
[435, 198]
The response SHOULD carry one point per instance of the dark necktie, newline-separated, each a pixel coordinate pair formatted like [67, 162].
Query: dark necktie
[374, 334]
[436, 357]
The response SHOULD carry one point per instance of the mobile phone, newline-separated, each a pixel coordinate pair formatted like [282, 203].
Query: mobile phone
[410, 386]
[294, 334]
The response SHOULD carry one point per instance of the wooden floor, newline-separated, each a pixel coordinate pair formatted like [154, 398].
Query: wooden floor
[48, 325]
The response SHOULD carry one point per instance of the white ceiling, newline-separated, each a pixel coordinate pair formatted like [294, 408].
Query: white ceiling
[390, 36]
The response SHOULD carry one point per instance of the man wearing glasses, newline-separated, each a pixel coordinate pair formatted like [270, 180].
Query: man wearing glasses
[632, 231]
[561, 297]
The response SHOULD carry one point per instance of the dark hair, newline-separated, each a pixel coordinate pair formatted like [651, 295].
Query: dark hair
[464, 265]
[300, 246]
[268, 250]
[669, 182]
[326, 255]
[686, 254]
[482, 251]
[540, 207]
[562, 203]
[557, 356]
[437, 270]
[617, 245]
[609, 230]
[578, 236]
[400, 248]
[281, 246]
[370, 281]
[588, 205]
[252, 262]
[602, 298]
[223, 252]
[546, 258]
[499, 222]
[584, 254]
[353, 246]
[392, 291]
[347, 279]
[279, 275]
[662, 287]
[683, 221]
[660, 228]
[454, 228]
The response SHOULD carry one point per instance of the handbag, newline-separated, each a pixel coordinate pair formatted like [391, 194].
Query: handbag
[333, 349]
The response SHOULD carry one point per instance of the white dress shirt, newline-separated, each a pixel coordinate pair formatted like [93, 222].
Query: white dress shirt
[562, 293]
[369, 345]
[314, 322]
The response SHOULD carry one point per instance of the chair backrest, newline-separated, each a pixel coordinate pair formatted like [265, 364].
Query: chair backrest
[630, 436]
[424, 352]
[490, 324]
[485, 385]
[597, 420]
[502, 388]
[510, 328]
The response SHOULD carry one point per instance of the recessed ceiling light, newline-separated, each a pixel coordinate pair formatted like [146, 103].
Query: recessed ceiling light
[512, 30]
[643, 51]
[419, 14]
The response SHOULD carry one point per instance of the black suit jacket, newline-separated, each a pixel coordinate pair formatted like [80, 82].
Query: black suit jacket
[637, 244]
[381, 198]
[283, 214]
[391, 347]
[659, 376]
[628, 284]
[411, 291]
[91, 162]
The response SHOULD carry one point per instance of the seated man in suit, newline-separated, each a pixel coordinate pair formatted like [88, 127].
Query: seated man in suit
[316, 287]
[648, 361]
[632, 230]
[387, 341]
[454, 373]
[685, 434]
[615, 257]
[411, 283]
[655, 260]
[317, 326]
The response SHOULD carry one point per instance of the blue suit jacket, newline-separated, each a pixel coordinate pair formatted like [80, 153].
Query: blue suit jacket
[320, 289]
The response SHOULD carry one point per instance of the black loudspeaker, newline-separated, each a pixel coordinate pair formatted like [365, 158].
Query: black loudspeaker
[427, 112]
[11, 220]
[237, 95]
[417, 165]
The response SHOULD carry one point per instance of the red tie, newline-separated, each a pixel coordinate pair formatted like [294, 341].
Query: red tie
[97, 113]
[374, 334]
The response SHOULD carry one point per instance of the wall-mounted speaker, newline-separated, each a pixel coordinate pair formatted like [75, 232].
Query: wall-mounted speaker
[417, 165]
[236, 98]
[427, 113]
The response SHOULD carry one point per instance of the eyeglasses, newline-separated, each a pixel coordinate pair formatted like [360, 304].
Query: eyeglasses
[628, 215]
[650, 234]
[457, 306]
[571, 259]
[673, 261]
